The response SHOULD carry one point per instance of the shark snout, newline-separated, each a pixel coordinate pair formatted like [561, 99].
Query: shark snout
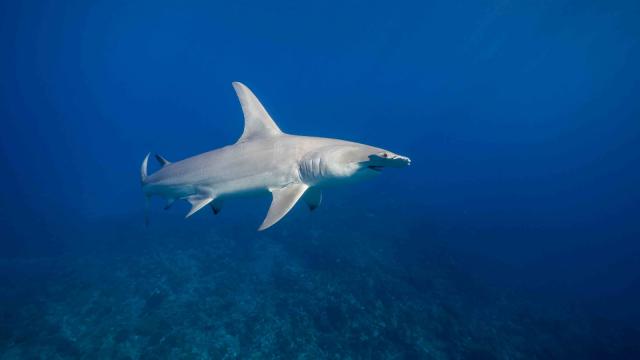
[388, 159]
[399, 161]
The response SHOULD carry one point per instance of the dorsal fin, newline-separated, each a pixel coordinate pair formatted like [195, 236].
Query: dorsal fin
[162, 160]
[257, 122]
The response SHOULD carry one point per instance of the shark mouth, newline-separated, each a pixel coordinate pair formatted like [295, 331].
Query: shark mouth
[376, 168]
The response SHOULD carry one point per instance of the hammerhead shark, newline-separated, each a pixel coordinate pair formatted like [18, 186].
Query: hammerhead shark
[265, 160]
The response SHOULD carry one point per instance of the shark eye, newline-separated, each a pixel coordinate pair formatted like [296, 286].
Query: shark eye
[385, 155]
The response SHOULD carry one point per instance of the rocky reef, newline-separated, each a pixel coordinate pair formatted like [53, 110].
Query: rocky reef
[287, 294]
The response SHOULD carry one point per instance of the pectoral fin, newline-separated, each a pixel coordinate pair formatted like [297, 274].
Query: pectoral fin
[313, 197]
[283, 201]
[198, 202]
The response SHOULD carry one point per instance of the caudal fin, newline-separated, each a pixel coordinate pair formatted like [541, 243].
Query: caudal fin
[143, 178]
[143, 168]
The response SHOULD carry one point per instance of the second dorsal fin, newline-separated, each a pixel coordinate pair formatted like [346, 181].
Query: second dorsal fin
[257, 122]
[162, 160]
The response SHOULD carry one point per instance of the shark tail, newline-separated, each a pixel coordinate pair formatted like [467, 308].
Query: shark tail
[143, 179]
[143, 169]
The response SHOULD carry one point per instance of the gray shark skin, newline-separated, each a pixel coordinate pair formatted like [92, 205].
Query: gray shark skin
[265, 160]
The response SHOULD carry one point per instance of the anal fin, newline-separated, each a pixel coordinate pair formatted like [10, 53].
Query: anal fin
[169, 203]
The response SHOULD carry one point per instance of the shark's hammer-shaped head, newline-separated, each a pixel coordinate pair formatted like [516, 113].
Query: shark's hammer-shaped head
[347, 162]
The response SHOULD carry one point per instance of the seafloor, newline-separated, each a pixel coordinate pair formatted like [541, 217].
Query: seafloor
[197, 292]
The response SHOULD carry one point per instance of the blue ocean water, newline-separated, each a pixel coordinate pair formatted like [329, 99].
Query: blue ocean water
[513, 234]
